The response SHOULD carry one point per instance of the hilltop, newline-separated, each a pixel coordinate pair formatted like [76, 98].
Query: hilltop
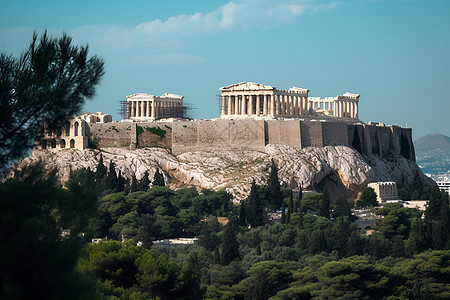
[433, 153]
[342, 169]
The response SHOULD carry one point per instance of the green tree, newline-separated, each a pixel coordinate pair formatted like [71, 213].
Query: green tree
[283, 213]
[120, 182]
[41, 226]
[230, 246]
[368, 198]
[341, 208]
[255, 210]
[242, 215]
[416, 242]
[48, 84]
[101, 172]
[264, 280]
[158, 179]
[133, 183]
[144, 182]
[324, 204]
[274, 188]
[299, 198]
[111, 176]
[290, 208]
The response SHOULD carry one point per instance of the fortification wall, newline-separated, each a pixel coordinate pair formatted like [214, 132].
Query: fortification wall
[154, 134]
[251, 134]
[384, 134]
[285, 132]
[311, 133]
[335, 133]
[112, 134]
[214, 135]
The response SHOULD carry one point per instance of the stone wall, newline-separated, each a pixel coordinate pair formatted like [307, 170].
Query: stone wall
[215, 135]
[154, 134]
[285, 132]
[251, 134]
[112, 134]
[335, 133]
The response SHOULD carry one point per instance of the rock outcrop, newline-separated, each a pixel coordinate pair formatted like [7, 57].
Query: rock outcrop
[342, 169]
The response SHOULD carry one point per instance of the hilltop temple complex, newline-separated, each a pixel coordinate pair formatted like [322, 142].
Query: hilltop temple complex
[248, 99]
[252, 116]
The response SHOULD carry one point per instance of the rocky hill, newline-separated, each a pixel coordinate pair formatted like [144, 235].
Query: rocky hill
[433, 153]
[342, 169]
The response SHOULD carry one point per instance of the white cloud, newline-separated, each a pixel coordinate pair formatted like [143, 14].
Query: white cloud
[176, 34]
[239, 15]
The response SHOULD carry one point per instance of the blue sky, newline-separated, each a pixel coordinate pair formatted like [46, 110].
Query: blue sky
[394, 53]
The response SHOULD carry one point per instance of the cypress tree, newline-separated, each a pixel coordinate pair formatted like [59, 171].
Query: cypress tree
[300, 197]
[242, 215]
[112, 178]
[290, 208]
[120, 182]
[300, 220]
[144, 182]
[324, 204]
[274, 188]
[283, 213]
[133, 184]
[158, 179]
[101, 171]
[255, 211]
[217, 255]
[230, 246]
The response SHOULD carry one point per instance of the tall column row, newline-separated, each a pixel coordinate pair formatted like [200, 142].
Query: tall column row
[264, 104]
[345, 109]
[143, 109]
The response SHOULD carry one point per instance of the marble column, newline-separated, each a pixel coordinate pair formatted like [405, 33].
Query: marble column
[258, 105]
[229, 105]
[153, 109]
[265, 104]
[279, 112]
[356, 111]
[244, 105]
[147, 110]
[272, 105]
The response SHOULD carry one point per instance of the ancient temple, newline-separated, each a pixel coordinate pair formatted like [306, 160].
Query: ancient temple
[144, 107]
[253, 99]
[248, 99]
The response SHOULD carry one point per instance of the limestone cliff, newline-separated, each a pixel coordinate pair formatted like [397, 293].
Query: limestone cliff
[342, 169]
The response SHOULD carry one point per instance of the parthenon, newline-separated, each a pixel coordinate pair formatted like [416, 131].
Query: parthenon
[252, 99]
[144, 107]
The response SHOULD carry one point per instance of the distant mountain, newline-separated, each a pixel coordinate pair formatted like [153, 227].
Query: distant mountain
[433, 153]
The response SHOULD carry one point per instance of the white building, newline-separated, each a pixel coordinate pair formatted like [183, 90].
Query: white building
[145, 107]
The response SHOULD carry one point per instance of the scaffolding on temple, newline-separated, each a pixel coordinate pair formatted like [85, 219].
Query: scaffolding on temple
[183, 112]
[123, 109]
[219, 103]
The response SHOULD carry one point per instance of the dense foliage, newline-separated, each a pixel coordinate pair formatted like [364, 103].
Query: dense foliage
[48, 83]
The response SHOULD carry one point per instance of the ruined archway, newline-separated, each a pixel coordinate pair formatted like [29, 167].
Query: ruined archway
[72, 143]
[62, 143]
[53, 143]
[75, 129]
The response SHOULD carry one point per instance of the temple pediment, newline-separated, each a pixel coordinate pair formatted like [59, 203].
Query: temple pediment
[351, 95]
[172, 96]
[247, 86]
[297, 89]
[140, 96]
